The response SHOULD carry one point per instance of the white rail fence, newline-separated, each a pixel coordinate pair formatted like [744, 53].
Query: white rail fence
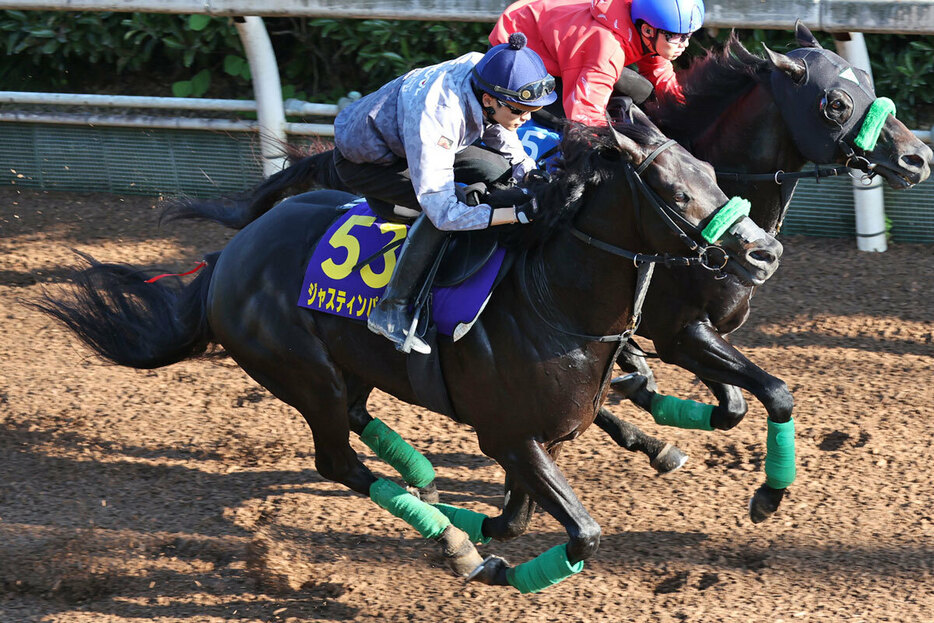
[847, 19]
[899, 16]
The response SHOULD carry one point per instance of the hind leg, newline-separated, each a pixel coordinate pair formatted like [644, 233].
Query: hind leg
[664, 457]
[414, 468]
[308, 380]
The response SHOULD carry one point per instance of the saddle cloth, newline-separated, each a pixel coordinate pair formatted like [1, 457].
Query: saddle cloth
[348, 273]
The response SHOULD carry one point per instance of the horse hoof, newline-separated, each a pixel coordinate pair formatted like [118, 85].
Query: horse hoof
[427, 494]
[491, 571]
[764, 502]
[628, 384]
[461, 555]
[670, 459]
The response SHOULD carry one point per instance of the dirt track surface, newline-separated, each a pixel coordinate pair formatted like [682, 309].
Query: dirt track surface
[188, 494]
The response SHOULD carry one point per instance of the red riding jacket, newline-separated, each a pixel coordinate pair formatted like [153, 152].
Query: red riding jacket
[587, 45]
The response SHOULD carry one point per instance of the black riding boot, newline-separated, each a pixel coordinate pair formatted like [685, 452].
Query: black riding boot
[392, 317]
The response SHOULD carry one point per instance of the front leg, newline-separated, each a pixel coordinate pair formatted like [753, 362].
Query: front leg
[700, 349]
[532, 469]
[663, 457]
[518, 508]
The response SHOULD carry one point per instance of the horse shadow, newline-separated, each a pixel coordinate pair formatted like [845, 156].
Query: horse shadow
[100, 514]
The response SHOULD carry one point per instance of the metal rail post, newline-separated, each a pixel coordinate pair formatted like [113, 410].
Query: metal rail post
[267, 87]
[867, 198]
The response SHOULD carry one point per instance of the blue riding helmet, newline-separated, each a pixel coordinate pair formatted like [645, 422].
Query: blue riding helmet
[514, 73]
[678, 16]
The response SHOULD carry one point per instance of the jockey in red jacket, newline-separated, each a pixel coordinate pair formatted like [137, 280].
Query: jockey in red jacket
[587, 45]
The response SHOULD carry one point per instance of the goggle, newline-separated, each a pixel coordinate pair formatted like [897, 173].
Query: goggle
[676, 37]
[516, 111]
[526, 93]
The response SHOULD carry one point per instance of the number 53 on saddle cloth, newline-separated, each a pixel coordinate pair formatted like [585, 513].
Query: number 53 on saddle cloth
[351, 266]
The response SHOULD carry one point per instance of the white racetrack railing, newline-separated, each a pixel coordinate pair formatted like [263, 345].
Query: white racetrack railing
[847, 19]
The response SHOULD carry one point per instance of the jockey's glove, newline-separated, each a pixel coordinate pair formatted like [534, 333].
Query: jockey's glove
[514, 205]
[528, 211]
[472, 194]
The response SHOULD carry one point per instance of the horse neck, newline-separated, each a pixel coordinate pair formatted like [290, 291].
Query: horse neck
[593, 289]
[751, 137]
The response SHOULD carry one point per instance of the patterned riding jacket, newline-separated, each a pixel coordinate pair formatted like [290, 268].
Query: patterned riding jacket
[587, 45]
[426, 117]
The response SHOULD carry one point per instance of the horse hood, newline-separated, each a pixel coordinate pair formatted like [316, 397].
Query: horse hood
[800, 102]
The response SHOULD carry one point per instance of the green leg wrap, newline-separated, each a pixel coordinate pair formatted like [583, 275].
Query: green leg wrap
[671, 411]
[469, 521]
[429, 521]
[389, 446]
[780, 454]
[549, 568]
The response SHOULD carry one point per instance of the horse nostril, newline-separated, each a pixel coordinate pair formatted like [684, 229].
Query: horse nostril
[913, 161]
[761, 256]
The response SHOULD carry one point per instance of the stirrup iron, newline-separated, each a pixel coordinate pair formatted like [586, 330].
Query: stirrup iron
[412, 341]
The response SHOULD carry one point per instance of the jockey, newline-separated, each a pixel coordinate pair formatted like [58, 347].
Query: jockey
[587, 46]
[406, 144]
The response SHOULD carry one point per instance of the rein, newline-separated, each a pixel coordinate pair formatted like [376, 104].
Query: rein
[781, 176]
[644, 263]
[669, 216]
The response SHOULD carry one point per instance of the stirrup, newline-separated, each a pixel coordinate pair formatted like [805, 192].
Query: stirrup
[412, 341]
[406, 342]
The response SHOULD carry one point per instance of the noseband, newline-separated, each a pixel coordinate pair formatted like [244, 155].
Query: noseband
[712, 257]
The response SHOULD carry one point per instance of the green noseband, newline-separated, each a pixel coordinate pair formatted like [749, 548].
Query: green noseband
[735, 209]
[872, 124]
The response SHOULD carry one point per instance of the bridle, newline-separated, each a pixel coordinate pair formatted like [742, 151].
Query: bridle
[709, 256]
[703, 255]
[854, 137]
[853, 142]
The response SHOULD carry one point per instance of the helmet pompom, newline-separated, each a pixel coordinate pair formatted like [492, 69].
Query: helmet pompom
[517, 41]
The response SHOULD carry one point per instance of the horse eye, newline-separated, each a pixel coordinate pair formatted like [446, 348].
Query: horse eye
[837, 106]
[681, 197]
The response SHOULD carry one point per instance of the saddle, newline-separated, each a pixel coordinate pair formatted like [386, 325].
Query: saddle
[352, 262]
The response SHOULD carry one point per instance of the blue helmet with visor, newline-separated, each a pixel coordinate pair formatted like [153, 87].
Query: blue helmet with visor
[514, 73]
[674, 16]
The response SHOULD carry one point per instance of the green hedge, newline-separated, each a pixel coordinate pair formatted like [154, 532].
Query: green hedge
[320, 59]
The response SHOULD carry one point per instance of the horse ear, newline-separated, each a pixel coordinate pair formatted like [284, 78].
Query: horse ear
[796, 70]
[804, 36]
[629, 149]
[738, 50]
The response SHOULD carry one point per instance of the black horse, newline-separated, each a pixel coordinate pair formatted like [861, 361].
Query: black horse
[753, 119]
[757, 120]
[529, 376]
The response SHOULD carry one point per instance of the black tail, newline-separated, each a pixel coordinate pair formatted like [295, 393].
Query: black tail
[238, 211]
[130, 322]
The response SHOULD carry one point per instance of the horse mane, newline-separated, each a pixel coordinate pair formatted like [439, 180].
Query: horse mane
[589, 157]
[710, 84]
